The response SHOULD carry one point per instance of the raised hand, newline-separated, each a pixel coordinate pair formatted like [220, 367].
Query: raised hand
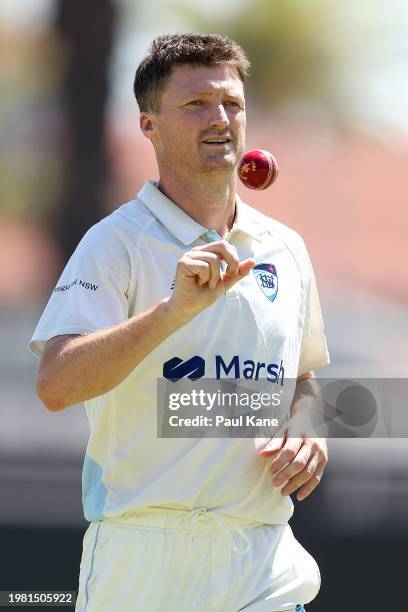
[200, 279]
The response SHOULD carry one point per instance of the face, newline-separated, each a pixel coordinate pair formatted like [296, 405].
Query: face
[200, 127]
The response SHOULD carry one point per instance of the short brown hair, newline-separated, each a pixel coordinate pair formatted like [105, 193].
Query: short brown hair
[174, 49]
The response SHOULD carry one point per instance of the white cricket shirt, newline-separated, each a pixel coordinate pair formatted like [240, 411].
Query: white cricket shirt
[126, 264]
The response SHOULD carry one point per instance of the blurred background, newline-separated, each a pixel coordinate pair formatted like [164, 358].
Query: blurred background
[328, 95]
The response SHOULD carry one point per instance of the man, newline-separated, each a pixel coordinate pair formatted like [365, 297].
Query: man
[186, 525]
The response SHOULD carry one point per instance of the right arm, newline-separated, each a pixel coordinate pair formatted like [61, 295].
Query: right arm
[76, 368]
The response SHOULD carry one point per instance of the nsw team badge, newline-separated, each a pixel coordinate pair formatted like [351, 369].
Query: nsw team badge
[267, 279]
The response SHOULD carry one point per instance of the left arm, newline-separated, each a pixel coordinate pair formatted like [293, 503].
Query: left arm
[299, 458]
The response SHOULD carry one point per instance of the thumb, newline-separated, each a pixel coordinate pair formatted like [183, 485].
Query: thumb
[246, 266]
[272, 447]
[243, 269]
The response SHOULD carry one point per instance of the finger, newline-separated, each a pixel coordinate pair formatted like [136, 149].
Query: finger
[302, 477]
[312, 483]
[273, 446]
[203, 255]
[191, 268]
[226, 251]
[214, 262]
[286, 454]
[243, 269]
[215, 272]
[275, 443]
[295, 466]
[246, 266]
[232, 259]
[204, 273]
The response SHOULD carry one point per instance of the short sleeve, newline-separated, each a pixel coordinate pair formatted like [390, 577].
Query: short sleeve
[92, 291]
[313, 353]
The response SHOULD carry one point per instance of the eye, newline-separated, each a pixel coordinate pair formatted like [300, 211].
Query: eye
[234, 103]
[195, 103]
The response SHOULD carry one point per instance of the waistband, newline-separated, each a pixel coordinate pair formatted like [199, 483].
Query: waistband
[198, 519]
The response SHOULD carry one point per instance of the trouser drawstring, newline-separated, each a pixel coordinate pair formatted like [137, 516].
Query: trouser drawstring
[199, 514]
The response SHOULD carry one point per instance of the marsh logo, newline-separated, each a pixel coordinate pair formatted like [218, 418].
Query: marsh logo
[176, 368]
[236, 368]
[267, 279]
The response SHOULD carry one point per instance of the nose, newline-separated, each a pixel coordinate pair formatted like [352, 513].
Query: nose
[219, 117]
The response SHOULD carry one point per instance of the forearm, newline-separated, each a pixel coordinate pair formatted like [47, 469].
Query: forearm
[88, 366]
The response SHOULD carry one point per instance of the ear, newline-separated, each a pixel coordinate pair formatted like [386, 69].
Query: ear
[147, 122]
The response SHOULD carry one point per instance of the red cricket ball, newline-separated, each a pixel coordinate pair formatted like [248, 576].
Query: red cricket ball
[257, 169]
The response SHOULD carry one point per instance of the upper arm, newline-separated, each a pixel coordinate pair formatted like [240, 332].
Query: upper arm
[91, 294]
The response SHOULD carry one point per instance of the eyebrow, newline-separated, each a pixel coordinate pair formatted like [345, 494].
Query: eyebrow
[208, 93]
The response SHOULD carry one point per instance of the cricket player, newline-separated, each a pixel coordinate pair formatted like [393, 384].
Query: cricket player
[187, 281]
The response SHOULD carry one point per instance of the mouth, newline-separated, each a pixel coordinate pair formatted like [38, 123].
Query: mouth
[217, 141]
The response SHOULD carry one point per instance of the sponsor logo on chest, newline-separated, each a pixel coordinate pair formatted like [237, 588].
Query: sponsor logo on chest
[236, 368]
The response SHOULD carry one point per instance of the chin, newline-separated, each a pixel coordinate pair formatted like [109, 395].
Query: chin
[219, 163]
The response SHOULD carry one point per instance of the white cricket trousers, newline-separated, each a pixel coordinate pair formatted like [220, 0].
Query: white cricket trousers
[201, 561]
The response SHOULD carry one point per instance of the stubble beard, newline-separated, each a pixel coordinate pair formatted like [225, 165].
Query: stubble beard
[218, 163]
[213, 171]
[213, 163]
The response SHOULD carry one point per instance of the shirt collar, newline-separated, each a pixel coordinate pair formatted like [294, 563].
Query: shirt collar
[181, 225]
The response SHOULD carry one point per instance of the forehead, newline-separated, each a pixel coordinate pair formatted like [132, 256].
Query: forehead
[185, 79]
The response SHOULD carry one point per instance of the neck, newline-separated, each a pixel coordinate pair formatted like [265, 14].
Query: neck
[209, 201]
